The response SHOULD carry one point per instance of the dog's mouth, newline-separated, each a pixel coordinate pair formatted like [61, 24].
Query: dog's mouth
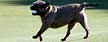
[34, 12]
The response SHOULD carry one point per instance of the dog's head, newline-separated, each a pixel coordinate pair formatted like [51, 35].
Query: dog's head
[39, 7]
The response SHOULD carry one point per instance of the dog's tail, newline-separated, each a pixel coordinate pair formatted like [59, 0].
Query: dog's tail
[89, 5]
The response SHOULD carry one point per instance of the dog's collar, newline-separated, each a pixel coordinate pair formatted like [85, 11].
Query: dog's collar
[49, 9]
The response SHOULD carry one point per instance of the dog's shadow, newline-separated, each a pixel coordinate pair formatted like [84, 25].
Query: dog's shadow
[75, 40]
[85, 40]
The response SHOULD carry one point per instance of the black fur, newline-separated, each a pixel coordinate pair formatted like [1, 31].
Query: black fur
[59, 16]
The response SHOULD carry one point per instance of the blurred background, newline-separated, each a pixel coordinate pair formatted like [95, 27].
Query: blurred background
[103, 3]
[18, 25]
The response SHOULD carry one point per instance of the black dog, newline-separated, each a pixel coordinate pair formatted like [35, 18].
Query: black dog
[57, 16]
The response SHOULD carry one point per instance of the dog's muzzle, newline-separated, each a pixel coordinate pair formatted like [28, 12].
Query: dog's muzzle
[34, 12]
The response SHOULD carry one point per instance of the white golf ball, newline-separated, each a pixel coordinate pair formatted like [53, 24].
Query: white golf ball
[34, 11]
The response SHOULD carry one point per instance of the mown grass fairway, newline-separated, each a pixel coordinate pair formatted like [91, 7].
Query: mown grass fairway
[18, 25]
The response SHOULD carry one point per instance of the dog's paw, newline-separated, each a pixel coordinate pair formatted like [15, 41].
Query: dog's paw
[85, 37]
[40, 39]
[34, 37]
[63, 39]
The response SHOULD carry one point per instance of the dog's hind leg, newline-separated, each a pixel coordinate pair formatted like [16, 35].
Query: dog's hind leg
[43, 29]
[83, 22]
[70, 26]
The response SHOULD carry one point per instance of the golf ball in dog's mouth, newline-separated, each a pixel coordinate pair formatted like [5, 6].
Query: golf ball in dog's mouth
[34, 11]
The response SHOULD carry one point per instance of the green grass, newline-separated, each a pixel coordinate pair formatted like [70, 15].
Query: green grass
[18, 25]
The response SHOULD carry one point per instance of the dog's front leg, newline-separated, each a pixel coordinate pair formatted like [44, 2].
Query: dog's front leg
[40, 37]
[43, 28]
